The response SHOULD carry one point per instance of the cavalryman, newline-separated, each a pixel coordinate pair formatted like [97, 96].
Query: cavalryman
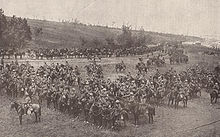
[216, 87]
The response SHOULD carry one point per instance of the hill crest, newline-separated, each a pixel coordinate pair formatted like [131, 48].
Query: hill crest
[67, 35]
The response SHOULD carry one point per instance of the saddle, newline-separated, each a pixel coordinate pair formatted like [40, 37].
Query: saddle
[27, 108]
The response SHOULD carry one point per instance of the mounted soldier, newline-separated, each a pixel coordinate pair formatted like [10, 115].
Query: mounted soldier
[216, 87]
[27, 102]
[141, 67]
[2, 64]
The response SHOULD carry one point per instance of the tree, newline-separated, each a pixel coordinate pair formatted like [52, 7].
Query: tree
[149, 39]
[110, 42]
[14, 32]
[18, 33]
[83, 41]
[38, 31]
[141, 39]
[95, 43]
[125, 39]
[3, 26]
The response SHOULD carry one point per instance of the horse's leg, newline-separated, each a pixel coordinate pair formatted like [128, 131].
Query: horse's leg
[61, 107]
[106, 123]
[172, 101]
[39, 117]
[20, 119]
[125, 124]
[64, 108]
[175, 104]
[47, 102]
[16, 93]
[35, 113]
[135, 119]
[111, 123]
[96, 121]
[39, 114]
[211, 98]
[101, 121]
[93, 119]
[152, 118]
[56, 105]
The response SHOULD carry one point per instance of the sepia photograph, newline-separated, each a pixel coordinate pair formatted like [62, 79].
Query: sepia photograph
[109, 68]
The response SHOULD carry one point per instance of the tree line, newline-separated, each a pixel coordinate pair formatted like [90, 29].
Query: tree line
[126, 39]
[14, 32]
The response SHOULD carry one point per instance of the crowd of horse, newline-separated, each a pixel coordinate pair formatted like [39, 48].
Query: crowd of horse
[104, 103]
[89, 53]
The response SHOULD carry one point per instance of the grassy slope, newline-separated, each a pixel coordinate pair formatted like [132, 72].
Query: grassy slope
[57, 35]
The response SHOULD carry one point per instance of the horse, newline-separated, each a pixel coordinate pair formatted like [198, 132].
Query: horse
[63, 100]
[214, 95]
[13, 90]
[23, 109]
[171, 98]
[124, 116]
[116, 118]
[120, 67]
[181, 97]
[141, 68]
[159, 98]
[138, 109]
[106, 117]
[49, 98]
[96, 114]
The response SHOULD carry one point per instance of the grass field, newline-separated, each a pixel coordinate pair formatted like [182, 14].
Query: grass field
[192, 121]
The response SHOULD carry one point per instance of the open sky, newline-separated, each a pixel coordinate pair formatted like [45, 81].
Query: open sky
[192, 17]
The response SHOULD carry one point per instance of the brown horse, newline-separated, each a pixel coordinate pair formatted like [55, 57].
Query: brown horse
[22, 109]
